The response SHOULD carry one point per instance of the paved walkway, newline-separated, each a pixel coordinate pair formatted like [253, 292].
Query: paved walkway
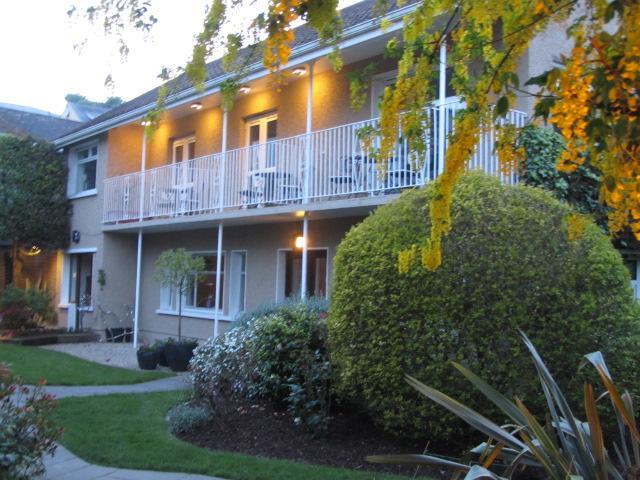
[65, 465]
[177, 382]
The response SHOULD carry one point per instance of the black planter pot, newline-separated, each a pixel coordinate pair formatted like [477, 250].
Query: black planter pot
[178, 355]
[147, 359]
[162, 355]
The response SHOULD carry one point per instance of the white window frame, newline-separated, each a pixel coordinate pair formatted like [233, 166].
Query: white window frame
[171, 308]
[378, 84]
[74, 164]
[262, 153]
[281, 271]
[236, 276]
[184, 142]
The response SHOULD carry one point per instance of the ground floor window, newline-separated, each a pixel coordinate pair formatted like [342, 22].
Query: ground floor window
[238, 281]
[291, 273]
[201, 289]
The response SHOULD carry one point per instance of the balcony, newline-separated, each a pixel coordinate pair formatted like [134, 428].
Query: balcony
[319, 166]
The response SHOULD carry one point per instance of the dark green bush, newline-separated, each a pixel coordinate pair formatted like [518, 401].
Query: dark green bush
[25, 308]
[278, 354]
[508, 263]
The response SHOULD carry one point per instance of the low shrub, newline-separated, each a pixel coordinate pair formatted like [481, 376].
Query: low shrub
[278, 354]
[27, 432]
[189, 416]
[512, 261]
[22, 309]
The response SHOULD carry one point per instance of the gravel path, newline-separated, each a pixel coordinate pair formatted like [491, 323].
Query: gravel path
[114, 354]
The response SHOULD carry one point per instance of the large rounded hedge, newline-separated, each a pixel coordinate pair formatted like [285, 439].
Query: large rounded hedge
[508, 263]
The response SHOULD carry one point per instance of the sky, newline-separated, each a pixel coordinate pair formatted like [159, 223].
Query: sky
[41, 65]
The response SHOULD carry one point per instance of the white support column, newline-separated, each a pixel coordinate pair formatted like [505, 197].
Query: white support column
[223, 158]
[306, 188]
[136, 306]
[143, 166]
[305, 250]
[218, 305]
[442, 96]
[136, 312]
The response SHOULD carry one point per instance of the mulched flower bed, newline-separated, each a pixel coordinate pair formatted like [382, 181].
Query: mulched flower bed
[259, 430]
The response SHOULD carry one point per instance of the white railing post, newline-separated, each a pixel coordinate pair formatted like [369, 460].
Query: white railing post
[143, 166]
[223, 158]
[442, 96]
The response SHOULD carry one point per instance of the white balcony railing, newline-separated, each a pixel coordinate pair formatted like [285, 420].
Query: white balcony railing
[322, 165]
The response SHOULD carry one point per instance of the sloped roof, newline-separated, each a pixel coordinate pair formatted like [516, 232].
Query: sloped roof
[26, 121]
[83, 112]
[352, 16]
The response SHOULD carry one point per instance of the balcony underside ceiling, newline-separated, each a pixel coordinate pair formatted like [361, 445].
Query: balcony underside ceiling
[351, 207]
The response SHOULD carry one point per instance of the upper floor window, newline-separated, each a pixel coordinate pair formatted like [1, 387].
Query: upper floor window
[82, 170]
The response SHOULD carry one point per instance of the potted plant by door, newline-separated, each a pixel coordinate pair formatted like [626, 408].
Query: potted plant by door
[147, 358]
[176, 269]
[179, 354]
[161, 348]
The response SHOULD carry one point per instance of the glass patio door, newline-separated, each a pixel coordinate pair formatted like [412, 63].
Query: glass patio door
[260, 132]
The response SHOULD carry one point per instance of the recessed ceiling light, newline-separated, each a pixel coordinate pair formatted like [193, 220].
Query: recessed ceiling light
[196, 106]
[145, 123]
[299, 71]
[244, 89]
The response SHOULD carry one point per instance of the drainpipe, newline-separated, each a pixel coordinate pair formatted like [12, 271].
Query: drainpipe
[216, 310]
[136, 312]
[442, 95]
[223, 158]
[309, 129]
[305, 249]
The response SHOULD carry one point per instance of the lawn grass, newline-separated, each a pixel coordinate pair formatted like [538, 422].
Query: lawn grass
[33, 363]
[129, 431]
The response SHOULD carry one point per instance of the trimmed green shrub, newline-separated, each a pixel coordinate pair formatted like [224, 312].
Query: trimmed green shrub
[277, 354]
[189, 416]
[508, 263]
[25, 308]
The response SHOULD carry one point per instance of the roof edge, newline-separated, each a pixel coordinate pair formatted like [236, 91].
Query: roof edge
[305, 52]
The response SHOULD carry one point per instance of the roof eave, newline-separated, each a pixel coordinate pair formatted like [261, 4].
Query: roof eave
[358, 33]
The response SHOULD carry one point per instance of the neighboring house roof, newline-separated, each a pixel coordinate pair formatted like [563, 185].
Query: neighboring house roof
[82, 112]
[359, 14]
[24, 121]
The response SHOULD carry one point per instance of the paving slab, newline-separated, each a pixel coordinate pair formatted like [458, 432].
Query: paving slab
[168, 384]
[64, 465]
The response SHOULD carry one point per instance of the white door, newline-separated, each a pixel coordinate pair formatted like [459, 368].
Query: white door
[260, 133]
[184, 149]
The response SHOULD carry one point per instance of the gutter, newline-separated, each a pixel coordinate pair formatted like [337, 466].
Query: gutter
[356, 34]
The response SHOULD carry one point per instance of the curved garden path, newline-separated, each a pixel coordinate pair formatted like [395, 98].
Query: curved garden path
[65, 465]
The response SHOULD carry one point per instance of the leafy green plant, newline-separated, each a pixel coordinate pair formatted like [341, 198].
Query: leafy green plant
[542, 148]
[565, 447]
[27, 432]
[278, 354]
[187, 417]
[509, 263]
[175, 269]
[26, 308]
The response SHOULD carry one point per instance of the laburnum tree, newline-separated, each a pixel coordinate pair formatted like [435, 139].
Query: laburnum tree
[591, 97]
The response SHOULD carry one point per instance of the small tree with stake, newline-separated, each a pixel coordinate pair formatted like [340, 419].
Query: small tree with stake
[175, 269]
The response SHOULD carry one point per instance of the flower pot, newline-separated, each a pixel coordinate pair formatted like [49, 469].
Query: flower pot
[147, 359]
[178, 355]
[162, 355]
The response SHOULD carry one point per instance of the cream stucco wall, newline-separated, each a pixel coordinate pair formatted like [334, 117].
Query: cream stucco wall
[261, 243]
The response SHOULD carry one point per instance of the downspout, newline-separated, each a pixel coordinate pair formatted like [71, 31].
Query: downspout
[136, 314]
[218, 306]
